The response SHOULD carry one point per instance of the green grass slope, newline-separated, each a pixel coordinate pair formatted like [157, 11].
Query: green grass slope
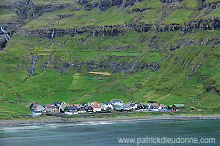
[188, 62]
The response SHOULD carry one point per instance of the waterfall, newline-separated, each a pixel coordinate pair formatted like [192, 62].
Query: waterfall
[74, 32]
[52, 35]
[6, 33]
[32, 65]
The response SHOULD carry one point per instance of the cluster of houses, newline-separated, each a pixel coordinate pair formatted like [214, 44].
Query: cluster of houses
[94, 107]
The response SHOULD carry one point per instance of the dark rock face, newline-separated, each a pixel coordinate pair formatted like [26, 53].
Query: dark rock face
[140, 10]
[155, 67]
[105, 4]
[92, 30]
[3, 42]
[112, 65]
[114, 30]
[65, 67]
[170, 1]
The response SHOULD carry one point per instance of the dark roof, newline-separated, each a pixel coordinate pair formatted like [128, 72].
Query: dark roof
[53, 107]
[57, 102]
[107, 103]
[152, 102]
[83, 104]
[72, 107]
[88, 107]
[113, 101]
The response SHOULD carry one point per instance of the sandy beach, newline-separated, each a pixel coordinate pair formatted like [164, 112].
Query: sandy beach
[48, 120]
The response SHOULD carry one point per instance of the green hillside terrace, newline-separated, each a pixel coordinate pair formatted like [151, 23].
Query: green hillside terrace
[153, 50]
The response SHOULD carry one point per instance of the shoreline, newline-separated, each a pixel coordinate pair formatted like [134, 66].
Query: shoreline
[60, 120]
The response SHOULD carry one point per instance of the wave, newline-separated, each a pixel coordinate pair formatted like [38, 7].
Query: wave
[19, 128]
[53, 126]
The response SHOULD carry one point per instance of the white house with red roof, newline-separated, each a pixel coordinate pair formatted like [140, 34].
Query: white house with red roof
[96, 108]
[37, 107]
[95, 103]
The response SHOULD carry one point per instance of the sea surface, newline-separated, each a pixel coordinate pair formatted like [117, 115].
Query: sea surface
[107, 133]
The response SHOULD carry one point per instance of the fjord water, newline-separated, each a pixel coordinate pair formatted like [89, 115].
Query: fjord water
[104, 133]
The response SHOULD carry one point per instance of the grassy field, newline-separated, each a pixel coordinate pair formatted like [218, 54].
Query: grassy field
[188, 62]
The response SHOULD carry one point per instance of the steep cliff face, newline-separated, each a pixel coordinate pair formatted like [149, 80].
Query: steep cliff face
[164, 50]
[114, 30]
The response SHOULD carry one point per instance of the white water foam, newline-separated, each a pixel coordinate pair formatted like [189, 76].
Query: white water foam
[19, 128]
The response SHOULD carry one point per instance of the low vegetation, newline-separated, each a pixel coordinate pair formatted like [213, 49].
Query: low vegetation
[170, 66]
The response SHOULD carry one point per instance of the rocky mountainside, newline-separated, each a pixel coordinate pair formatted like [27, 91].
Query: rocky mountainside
[163, 50]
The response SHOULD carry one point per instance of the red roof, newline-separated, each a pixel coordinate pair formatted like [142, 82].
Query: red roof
[95, 102]
[36, 105]
[76, 104]
[162, 105]
[48, 105]
[95, 106]
[155, 104]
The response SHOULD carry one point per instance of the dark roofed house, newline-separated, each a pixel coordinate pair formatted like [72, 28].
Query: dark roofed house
[89, 109]
[117, 102]
[107, 106]
[58, 103]
[82, 109]
[178, 107]
[71, 109]
[83, 104]
[133, 105]
[151, 102]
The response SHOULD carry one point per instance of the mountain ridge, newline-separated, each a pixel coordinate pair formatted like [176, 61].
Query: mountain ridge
[166, 51]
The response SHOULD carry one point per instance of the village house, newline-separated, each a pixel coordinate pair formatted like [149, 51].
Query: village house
[62, 107]
[96, 108]
[48, 105]
[51, 109]
[127, 109]
[107, 106]
[178, 107]
[163, 107]
[153, 106]
[58, 103]
[82, 109]
[143, 106]
[76, 105]
[95, 103]
[83, 104]
[38, 107]
[123, 107]
[70, 110]
[151, 102]
[89, 109]
[117, 102]
[133, 106]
